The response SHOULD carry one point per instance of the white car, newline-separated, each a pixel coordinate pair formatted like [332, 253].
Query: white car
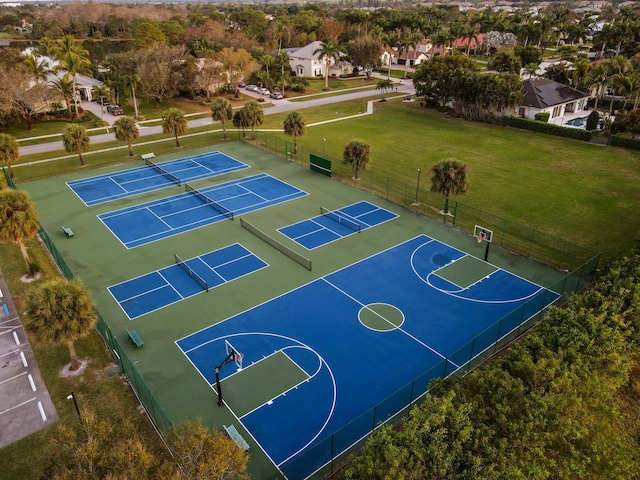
[264, 91]
[252, 88]
[276, 95]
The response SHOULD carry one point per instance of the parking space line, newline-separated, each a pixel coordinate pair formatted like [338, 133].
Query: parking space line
[13, 378]
[16, 406]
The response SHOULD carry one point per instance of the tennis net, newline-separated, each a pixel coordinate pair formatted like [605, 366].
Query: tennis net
[203, 283]
[215, 205]
[157, 167]
[341, 218]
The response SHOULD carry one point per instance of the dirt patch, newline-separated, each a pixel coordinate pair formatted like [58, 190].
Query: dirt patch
[66, 371]
[30, 278]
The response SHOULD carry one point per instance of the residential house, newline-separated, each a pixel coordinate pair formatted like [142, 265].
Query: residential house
[305, 63]
[563, 103]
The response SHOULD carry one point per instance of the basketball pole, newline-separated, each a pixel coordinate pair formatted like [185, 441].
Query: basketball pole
[486, 250]
[229, 358]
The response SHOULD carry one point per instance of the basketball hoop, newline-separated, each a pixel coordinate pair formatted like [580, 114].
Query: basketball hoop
[481, 237]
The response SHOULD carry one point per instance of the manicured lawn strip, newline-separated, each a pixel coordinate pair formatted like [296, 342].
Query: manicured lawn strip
[108, 395]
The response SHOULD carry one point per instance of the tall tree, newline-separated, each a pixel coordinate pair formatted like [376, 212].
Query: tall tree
[9, 151]
[392, 40]
[383, 86]
[328, 50]
[281, 33]
[73, 59]
[449, 177]
[175, 122]
[205, 455]
[295, 127]
[159, 71]
[63, 86]
[253, 115]
[131, 82]
[126, 130]
[38, 67]
[221, 111]
[357, 154]
[18, 221]
[364, 51]
[240, 121]
[60, 312]
[76, 140]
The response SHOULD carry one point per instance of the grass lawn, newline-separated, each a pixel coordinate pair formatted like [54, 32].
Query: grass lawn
[99, 388]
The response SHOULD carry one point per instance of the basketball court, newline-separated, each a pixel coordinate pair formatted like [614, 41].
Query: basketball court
[319, 356]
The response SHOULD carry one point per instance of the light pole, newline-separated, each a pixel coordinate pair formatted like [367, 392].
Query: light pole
[324, 147]
[417, 187]
[71, 396]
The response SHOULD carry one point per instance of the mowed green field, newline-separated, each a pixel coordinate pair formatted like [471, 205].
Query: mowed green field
[579, 191]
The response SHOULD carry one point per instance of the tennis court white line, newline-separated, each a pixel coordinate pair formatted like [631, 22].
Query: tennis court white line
[159, 218]
[398, 328]
[224, 280]
[171, 285]
[145, 292]
[117, 185]
[306, 234]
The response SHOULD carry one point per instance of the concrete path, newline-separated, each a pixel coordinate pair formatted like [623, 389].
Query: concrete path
[25, 404]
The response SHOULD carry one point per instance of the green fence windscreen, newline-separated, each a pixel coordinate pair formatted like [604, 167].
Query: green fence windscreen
[320, 165]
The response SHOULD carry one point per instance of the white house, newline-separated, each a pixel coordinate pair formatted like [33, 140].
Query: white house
[305, 63]
[563, 103]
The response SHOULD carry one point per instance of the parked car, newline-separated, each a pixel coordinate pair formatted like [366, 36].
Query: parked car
[276, 95]
[115, 110]
[102, 100]
[264, 91]
[252, 88]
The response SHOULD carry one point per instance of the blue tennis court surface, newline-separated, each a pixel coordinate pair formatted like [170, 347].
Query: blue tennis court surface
[336, 224]
[359, 335]
[158, 289]
[148, 222]
[104, 188]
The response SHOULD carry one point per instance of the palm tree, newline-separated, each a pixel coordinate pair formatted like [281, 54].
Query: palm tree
[74, 64]
[327, 50]
[221, 111]
[102, 91]
[383, 86]
[64, 87]
[392, 39]
[18, 221]
[126, 130]
[38, 67]
[131, 82]
[46, 47]
[357, 154]
[281, 32]
[282, 59]
[76, 140]
[240, 121]
[408, 41]
[597, 78]
[449, 177]
[174, 122]
[61, 311]
[531, 69]
[295, 127]
[9, 151]
[253, 116]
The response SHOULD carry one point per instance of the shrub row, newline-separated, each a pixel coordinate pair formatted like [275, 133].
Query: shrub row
[618, 141]
[548, 128]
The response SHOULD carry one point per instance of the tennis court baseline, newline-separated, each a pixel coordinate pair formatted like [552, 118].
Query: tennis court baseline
[169, 285]
[353, 338]
[104, 188]
[148, 222]
[333, 225]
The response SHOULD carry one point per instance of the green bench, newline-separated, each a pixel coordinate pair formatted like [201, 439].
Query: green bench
[136, 339]
[235, 435]
[147, 156]
[67, 231]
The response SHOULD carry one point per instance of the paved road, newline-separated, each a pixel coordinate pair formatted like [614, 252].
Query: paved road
[279, 106]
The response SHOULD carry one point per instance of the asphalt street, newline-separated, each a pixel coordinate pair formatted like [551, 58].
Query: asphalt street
[279, 106]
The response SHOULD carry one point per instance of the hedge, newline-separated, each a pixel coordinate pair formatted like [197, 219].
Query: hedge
[548, 128]
[618, 141]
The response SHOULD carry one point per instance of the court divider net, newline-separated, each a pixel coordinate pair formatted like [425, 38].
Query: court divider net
[203, 283]
[157, 167]
[215, 205]
[341, 218]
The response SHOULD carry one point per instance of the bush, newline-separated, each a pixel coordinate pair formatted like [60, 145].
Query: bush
[542, 117]
[592, 120]
[548, 128]
[618, 141]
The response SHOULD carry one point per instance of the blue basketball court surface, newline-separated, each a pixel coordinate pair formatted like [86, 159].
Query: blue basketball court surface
[336, 224]
[104, 188]
[169, 285]
[148, 222]
[354, 337]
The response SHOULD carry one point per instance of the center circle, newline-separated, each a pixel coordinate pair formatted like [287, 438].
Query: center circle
[381, 317]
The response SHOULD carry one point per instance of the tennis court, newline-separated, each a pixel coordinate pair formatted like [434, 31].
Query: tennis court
[184, 279]
[321, 355]
[148, 222]
[153, 176]
[332, 225]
